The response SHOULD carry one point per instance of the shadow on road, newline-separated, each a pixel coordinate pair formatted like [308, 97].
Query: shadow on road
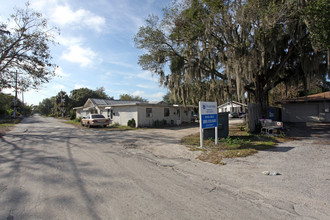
[90, 206]
[308, 129]
[29, 160]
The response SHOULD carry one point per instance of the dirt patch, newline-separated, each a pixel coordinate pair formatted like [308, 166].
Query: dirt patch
[4, 129]
[7, 124]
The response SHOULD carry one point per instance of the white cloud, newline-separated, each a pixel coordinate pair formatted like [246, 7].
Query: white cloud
[144, 86]
[126, 16]
[157, 96]
[109, 73]
[58, 87]
[77, 54]
[42, 4]
[68, 41]
[64, 15]
[95, 22]
[147, 75]
[138, 93]
[59, 72]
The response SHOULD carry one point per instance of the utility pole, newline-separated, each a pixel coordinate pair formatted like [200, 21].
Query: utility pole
[15, 100]
[23, 109]
[62, 104]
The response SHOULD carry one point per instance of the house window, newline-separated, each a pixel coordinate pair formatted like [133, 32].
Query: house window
[148, 112]
[166, 112]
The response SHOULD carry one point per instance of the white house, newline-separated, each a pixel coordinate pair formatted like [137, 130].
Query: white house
[232, 106]
[312, 108]
[145, 114]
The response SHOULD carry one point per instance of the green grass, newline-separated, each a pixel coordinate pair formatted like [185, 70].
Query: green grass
[239, 143]
[4, 125]
[72, 123]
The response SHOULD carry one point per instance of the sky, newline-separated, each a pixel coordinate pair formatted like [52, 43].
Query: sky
[96, 47]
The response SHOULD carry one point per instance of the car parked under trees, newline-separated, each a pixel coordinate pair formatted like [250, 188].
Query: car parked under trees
[92, 120]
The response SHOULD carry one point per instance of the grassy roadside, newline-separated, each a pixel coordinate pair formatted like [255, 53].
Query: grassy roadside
[238, 144]
[7, 125]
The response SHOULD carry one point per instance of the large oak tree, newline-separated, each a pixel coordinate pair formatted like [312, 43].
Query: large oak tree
[233, 47]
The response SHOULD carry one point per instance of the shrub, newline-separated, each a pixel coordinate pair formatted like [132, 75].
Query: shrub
[73, 116]
[78, 119]
[131, 123]
[158, 123]
[3, 112]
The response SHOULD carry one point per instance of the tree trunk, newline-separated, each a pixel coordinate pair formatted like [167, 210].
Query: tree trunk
[261, 97]
[328, 60]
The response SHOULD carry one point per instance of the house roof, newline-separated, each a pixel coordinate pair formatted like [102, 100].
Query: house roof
[229, 103]
[107, 102]
[324, 96]
[147, 104]
[113, 103]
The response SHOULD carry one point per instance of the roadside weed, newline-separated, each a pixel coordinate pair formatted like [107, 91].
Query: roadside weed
[238, 144]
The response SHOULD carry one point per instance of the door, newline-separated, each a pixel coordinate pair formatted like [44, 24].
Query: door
[303, 112]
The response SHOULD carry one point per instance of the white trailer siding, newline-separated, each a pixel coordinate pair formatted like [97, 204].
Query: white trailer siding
[122, 114]
[144, 114]
[172, 115]
[147, 119]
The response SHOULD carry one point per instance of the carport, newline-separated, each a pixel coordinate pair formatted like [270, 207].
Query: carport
[312, 108]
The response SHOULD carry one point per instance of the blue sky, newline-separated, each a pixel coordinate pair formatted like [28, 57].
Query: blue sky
[96, 46]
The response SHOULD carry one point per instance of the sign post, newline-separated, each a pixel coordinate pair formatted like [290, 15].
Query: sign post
[208, 118]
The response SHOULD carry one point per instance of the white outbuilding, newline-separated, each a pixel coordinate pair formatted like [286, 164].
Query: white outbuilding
[232, 106]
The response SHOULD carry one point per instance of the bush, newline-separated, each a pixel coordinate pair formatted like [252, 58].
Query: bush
[3, 112]
[158, 124]
[131, 123]
[78, 119]
[73, 116]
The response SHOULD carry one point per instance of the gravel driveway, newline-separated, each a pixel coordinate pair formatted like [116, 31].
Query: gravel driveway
[302, 188]
[50, 170]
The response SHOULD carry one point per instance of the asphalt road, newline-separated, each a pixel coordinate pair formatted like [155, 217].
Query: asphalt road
[51, 170]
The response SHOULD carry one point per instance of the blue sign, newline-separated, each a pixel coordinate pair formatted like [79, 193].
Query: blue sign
[208, 115]
[209, 121]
